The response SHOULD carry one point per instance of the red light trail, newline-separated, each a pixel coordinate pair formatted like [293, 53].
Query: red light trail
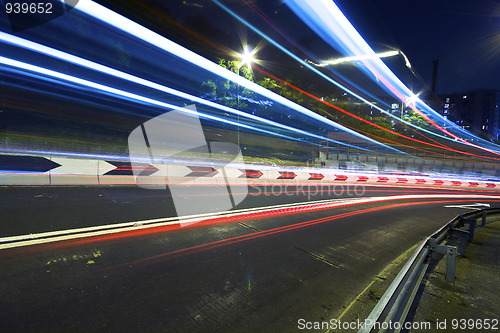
[260, 234]
[108, 235]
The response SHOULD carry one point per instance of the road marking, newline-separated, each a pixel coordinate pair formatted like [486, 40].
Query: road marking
[163, 221]
[52, 236]
[475, 206]
[70, 234]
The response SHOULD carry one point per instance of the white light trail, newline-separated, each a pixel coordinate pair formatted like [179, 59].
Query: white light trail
[135, 79]
[122, 23]
[327, 78]
[326, 19]
[355, 58]
[142, 99]
[307, 65]
[128, 95]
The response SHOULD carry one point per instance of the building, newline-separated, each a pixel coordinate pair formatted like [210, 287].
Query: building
[476, 111]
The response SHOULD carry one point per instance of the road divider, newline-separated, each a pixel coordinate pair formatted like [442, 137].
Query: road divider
[48, 170]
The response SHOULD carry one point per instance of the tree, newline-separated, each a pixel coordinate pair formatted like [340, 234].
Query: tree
[415, 119]
[227, 92]
[269, 84]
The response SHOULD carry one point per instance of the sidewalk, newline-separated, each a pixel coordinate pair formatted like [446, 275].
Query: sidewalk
[475, 295]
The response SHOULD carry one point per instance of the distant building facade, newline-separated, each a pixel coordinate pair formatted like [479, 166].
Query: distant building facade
[476, 111]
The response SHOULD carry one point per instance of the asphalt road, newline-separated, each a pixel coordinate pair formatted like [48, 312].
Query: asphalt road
[249, 275]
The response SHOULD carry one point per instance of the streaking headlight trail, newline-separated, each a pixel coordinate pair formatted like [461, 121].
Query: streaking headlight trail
[410, 98]
[326, 19]
[111, 18]
[119, 74]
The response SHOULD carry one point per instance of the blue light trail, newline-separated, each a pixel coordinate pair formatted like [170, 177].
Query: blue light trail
[114, 19]
[113, 72]
[326, 19]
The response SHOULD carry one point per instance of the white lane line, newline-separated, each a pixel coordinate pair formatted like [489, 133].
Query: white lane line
[163, 221]
[54, 236]
[475, 206]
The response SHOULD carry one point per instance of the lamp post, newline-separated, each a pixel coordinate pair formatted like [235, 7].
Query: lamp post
[246, 58]
[238, 106]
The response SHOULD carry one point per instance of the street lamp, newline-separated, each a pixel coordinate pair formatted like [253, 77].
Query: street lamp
[411, 101]
[247, 57]
[362, 57]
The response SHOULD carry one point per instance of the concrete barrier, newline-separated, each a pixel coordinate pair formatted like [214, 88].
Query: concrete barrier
[89, 172]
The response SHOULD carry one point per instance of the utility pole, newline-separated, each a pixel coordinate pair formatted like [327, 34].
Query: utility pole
[435, 65]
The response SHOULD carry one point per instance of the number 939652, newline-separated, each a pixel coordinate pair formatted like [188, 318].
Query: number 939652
[28, 8]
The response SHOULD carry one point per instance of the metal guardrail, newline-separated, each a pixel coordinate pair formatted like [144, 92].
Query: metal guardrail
[395, 303]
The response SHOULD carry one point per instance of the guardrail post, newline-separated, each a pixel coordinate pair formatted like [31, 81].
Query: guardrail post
[451, 257]
[463, 237]
[483, 218]
[472, 227]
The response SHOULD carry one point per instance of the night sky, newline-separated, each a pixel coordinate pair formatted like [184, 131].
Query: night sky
[463, 34]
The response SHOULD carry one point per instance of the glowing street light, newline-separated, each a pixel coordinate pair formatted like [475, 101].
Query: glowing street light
[413, 99]
[247, 56]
